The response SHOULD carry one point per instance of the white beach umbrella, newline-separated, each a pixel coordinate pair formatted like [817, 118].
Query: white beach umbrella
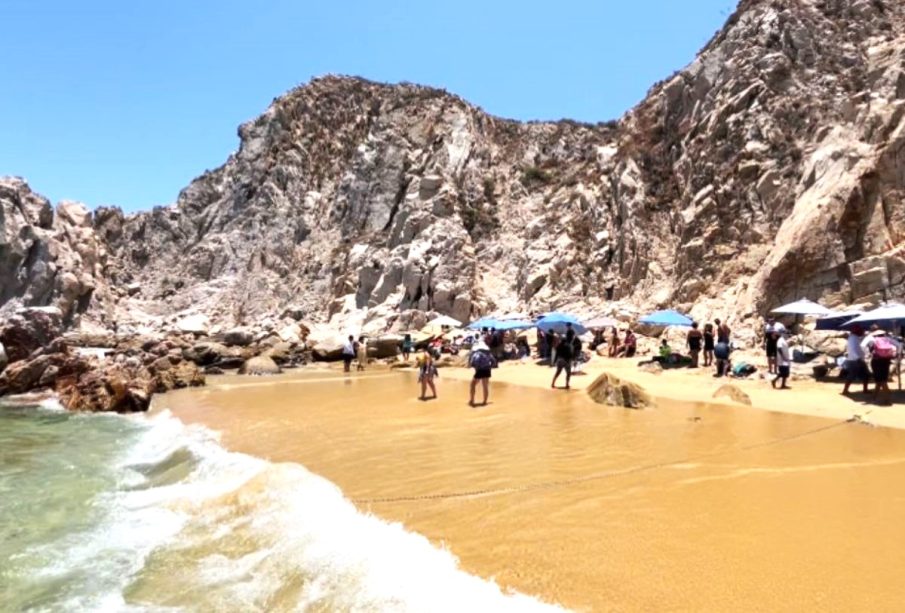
[444, 321]
[602, 322]
[802, 307]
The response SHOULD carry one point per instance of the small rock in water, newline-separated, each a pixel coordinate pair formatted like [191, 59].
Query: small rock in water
[733, 393]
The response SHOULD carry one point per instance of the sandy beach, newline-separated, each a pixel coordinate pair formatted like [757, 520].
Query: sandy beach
[807, 397]
[687, 506]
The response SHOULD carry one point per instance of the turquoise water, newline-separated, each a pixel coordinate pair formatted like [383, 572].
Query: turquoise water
[114, 513]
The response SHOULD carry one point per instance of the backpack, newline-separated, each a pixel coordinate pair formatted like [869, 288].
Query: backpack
[482, 360]
[884, 348]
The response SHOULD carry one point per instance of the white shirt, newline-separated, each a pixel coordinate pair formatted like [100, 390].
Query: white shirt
[348, 348]
[783, 355]
[774, 327]
[854, 348]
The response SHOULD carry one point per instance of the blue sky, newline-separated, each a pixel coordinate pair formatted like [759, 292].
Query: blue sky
[124, 102]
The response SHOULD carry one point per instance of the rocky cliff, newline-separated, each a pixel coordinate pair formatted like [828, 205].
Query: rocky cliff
[771, 168]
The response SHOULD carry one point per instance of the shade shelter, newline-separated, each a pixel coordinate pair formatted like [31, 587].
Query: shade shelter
[444, 321]
[889, 316]
[802, 307]
[836, 320]
[666, 318]
[559, 323]
[514, 324]
[484, 322]
[602, 322]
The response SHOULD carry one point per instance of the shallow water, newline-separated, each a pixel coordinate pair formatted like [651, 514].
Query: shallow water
[113, 513]
[681, 508]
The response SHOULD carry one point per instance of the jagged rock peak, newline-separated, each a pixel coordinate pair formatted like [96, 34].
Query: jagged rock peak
[766, 170]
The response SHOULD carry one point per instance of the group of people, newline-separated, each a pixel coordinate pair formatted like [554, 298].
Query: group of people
[878, 347]
[616, 348]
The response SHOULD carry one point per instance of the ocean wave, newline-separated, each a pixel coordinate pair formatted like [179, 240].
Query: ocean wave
[192, 526]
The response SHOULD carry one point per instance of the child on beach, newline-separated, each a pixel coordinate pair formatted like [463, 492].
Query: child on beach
[427, 370]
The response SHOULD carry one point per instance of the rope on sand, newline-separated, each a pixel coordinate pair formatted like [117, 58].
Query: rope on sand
[478, 493]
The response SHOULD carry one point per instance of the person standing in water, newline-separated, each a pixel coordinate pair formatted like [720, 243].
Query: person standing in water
[564, 354]
[482, 362]
[427, 370]
[348, 353]
[361, 352]
[407, 346]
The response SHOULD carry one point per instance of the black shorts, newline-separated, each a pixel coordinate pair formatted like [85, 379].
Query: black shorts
[784, 372]
[564, 364]
[771, 351]
[347, 359]
[880, 366]
[481, 373]
[856, 370]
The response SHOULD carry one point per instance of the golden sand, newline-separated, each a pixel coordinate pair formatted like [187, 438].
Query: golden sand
[684, 507]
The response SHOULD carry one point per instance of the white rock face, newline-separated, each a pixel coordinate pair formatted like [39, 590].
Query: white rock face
[769, 169]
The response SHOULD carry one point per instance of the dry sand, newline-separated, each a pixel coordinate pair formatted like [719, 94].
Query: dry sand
[807, 397]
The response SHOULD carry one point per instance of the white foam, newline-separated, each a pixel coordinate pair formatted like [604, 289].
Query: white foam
[301, 530]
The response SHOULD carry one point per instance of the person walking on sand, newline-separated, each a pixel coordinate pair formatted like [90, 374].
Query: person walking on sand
[855, 365]
[770, 343]
[783, 360]
[883, 350]
[564, 354]
[348, 353]
[694, 340]
[709, 344]
[482, 362]
[361, 353]
[427, 370]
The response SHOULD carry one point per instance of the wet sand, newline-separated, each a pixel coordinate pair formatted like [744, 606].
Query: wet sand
[684, 507]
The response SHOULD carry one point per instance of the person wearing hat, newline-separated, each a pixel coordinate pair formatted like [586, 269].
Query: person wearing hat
[883, 350]
[855, 366]
[783, 360]
[770, 342]
[481, 360]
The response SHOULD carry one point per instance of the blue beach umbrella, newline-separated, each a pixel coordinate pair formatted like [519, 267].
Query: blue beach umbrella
[666, 318]
[484, 322]
[514, 324]
[890, 315]
[557, 323]
[836, 320]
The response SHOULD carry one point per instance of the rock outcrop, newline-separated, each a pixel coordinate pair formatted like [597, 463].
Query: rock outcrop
[612, 391]
[769, 169]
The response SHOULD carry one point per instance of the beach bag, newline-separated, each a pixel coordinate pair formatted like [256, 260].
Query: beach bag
[482, 360]
[884, 348]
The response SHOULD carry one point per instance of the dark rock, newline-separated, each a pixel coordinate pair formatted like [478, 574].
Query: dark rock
[260, 365]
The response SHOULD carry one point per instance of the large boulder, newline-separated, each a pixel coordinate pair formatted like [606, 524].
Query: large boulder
[113, 387]
[28, 330]
[260, 365]
[238, 337]
[612, 391]
[193, 324]
[205, 353]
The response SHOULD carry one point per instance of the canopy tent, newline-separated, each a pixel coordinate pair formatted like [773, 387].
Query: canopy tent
[602, 322]
[802, 307]
[835, 320]
[891, 315]
[559, 322]
[666, 318]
